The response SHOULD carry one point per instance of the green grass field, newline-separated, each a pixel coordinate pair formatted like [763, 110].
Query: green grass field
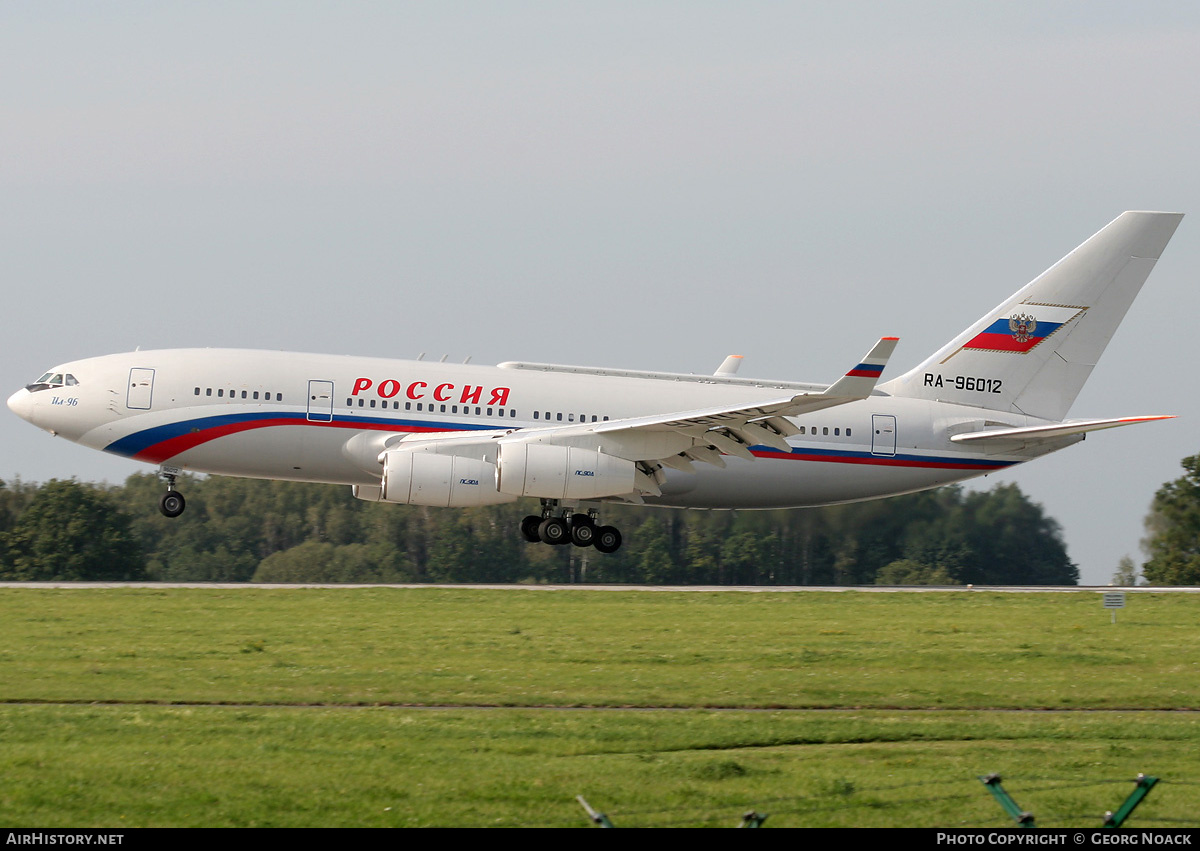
[395, 707]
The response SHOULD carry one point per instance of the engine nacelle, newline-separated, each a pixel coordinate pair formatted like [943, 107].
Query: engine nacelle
[426, 477]
[367, 493]
[550, 471]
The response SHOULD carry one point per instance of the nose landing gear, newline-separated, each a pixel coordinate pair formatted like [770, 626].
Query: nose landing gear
[172, 502]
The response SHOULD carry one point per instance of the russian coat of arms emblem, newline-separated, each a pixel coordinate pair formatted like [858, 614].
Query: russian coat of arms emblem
[1022, 326]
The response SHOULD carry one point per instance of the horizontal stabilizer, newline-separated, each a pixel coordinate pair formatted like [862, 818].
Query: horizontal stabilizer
[1048, 432]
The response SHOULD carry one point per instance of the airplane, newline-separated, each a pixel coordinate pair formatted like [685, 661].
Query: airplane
[577, 438]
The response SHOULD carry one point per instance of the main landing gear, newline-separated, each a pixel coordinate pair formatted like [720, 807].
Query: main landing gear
[569, 528]
[172, 502]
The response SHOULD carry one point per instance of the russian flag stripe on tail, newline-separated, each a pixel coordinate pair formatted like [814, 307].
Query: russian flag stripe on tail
[1024, 329]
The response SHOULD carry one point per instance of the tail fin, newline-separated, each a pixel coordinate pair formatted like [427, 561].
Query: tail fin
[1033, 353]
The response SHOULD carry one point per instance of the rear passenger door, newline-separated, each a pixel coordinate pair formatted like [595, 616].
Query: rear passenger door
[883, 434]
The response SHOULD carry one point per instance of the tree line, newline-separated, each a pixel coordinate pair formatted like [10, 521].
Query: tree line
[244, 530]
[1173, 530]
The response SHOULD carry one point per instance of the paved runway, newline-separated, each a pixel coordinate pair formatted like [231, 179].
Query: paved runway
[760, 589]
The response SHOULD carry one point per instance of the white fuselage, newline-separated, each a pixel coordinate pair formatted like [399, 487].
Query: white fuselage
[454, 435]
[307, 417]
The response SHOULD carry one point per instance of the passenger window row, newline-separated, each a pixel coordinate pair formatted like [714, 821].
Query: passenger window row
[233, 394]
[548, 416]
[570, 418]
[480, 411]
[837, 431]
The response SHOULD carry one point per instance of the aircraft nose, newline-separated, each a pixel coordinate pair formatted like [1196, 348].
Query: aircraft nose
[21, 404]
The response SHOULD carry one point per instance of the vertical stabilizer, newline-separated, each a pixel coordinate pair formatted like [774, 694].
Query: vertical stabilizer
[1032, 354]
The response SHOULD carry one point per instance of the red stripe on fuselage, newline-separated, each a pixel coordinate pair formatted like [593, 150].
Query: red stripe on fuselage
[168, 449]
[882, 460]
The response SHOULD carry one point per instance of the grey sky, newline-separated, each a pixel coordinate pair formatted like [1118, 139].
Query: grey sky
[649, 185]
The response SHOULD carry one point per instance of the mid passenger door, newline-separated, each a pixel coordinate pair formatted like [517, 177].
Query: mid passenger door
[320, 401]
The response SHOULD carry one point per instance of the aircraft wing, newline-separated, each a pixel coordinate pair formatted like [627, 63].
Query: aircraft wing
[674, 440]
[737, 428]
[677, 439]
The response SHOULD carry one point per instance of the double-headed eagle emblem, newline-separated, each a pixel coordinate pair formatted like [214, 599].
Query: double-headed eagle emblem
[1022, 326]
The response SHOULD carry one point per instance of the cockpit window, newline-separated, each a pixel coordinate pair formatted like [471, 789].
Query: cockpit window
[52, 379]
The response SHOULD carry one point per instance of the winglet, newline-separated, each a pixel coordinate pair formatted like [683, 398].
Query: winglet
[729, 366]
[861, 380]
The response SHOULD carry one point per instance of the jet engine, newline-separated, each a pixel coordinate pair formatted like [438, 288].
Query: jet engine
[426, 477]
[551, 471]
